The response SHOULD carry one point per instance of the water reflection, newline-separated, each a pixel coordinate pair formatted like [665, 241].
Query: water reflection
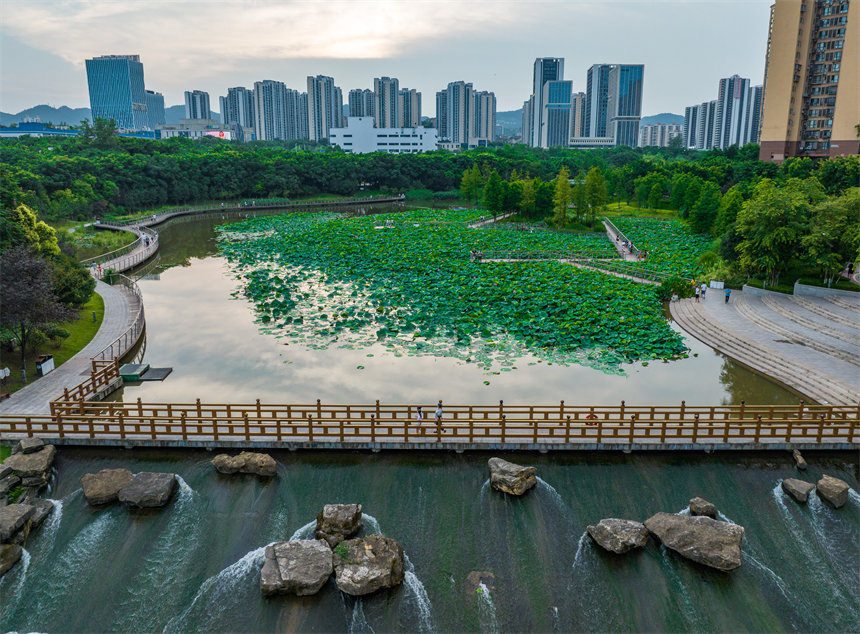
[219, 354]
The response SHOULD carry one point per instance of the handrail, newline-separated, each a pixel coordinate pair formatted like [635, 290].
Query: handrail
[104, 257]
[126, 341]
[549, 255]
[618, 234]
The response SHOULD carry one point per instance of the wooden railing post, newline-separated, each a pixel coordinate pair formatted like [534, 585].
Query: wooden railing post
[29, 424]
[310, 428]
[373, 428]
[182, 422]
[820, 428]
[632, 425]
[504, 434]
[851, 429]
[757, 427]
[341, 429]
[800, 410]
[561, 411]
[788, 426]
[247, 425]
[695, 428]
[471, 426]
[741, 413]
[683, 409]
[377, 409]
[121, 426]
[621, 413]
[501, 409]
[567, 430]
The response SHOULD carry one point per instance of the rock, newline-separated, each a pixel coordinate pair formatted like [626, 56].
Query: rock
[798, 460]
[617, 535]
[260, 464]
[28, 445]
[4, 471]
[362, 566]
[699, 538]
[301, 567]
[37, 463]
[8, 483]
[511, 478]
[43, 508]
[35, 481]
[478, 578]
[9, 556]
[833, 490]
[700, 506]
[13, 517]
[103, 487]
[148, 490]
[337, 522]
[798, 489]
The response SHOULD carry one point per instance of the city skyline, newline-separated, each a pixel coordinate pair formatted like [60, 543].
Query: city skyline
[425, 44]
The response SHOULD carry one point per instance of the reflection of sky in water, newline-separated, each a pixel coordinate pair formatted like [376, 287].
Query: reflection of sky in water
[219, 355]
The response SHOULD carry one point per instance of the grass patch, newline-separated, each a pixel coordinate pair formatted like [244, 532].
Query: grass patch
[81, 332]
[625, 209]
[841, 285]
[788, 289]
[5, 452]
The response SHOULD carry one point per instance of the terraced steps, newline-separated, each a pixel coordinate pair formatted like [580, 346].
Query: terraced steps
[807, 380]
[818, 309]
[844, 303]
[778, 307]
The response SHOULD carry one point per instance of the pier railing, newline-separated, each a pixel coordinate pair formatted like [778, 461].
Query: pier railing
[73, 417]
[126, 341]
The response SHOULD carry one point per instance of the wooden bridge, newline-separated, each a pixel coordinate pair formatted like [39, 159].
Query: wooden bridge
[76, 419]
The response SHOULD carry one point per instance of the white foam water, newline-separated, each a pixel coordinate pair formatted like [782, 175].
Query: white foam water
[357, 622]
[556, 621]
[305, 532]
[419, 594]
[221, 586]
[577, 558]
[371, 524]
[487, 610]
[689, 610]
[543, 485]
[52, 525]
[14, 581]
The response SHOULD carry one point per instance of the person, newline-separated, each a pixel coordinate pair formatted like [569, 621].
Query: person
[439, 414]
[728, 294]
[153, 217]
[698, 292]
[674, 297]
[419, 416]
[704, 290]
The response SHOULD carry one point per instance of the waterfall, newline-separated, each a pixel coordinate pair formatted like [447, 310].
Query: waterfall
[371, 525]
[826, 522]
[554, 495]
[556, 621]
[357, 623]
[305, 532]
[422, 601]
[579, 548]
[19, 573]
[221, 587]
[52, 524]
[487, 610]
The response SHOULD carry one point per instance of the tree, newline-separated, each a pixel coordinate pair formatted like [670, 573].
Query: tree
[771, 224]
[31, 231]
[73, 285]
[527, 199]
[101, 134]
[493, 194]
[834, 237]
[730, 205]
[595, 192]
[470, 185]
[27, 300]
[691, 195]
[561, 199]
[704, 212]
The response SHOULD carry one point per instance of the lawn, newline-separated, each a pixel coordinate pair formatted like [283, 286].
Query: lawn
[81, 333]
[614, 210]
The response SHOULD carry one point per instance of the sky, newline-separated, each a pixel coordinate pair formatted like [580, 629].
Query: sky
[685, 45]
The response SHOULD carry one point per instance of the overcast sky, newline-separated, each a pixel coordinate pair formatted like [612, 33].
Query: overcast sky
[686, 45]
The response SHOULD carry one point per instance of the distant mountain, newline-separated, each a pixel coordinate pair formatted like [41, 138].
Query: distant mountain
[47, 114]
[663, 117]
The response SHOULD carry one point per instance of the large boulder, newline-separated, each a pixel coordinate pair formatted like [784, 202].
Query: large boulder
[798, 489]
[147, 490]
[699, 538]
[300, 567]
[104, 487]
[7, 483]
[362, 566]
[260, 464]
[799, 460]
[618, 535]
[700, 506]
[28, 445]
[41, 510]
[13, 517]
[511, 478]
[9, 556]
[337, 522]
[36, 464]
[832, 490]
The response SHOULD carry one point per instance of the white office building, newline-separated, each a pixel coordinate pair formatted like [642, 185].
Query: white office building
[659, 134]
[361, 137]
[197, 105]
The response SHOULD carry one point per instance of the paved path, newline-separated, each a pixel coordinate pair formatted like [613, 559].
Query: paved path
[811, 344]
[120, 309]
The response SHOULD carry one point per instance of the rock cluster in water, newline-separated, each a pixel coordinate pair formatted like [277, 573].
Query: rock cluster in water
[28, 466]
[17, 521]
[617, 535]
[699, 538]
[832, 490]
[143, 490]
[360, 565]
[700, 506]
[511, 478]
[250, 462]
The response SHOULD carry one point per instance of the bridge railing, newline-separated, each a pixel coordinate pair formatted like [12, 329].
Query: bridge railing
[620, 236]
[116, 253]
[549, 255]
[74, 417]
[126, 341]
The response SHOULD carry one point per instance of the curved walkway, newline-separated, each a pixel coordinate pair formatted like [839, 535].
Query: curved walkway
[121, 307]
[805, 349]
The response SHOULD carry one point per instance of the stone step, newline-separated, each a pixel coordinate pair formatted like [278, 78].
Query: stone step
[778, 307]
[818, 309]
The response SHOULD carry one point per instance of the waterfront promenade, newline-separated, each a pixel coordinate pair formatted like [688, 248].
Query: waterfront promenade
[808, 342]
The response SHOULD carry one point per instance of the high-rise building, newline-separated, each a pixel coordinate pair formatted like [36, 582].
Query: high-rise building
[197, 105]
[527, 121]
[659, 134]
[325, 107]
[596, 98]
[386, 91]
[442, 113]
[484, 129]
[117, 90]
[577, 114]
[731, 119]
[545, 69]
[624, 103]
[811, 80]
[281, 112]
[461, 103]
[154, 109]
[237, 108]
[361, 103]
[555, 119]
[408, 108]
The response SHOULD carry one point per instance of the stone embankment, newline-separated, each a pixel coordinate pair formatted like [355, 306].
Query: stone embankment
[808, 343]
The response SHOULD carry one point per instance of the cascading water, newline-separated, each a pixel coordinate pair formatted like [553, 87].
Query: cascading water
[489, 622]
[544, 488]
[12, 583]
[424, 608]
[305, 532]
